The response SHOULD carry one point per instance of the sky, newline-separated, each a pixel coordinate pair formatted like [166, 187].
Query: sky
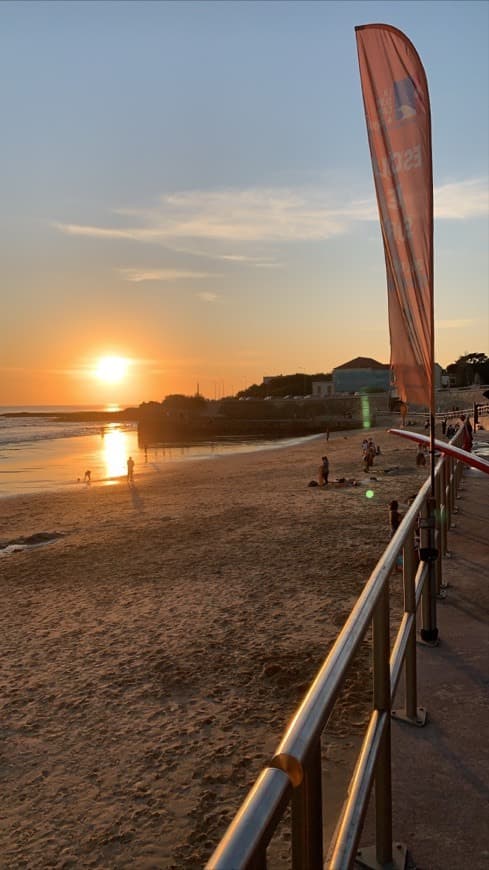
[188, 186]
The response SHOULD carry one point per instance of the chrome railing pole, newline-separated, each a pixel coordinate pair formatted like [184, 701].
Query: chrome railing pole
[307, 820]
[382, 703]
[410, 676]
[453, 487]
[245, 842]
[444, 508]
[438, 534]
[458, 477]
[429, 631]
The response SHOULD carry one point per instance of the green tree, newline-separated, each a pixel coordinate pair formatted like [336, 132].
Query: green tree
[469, 369]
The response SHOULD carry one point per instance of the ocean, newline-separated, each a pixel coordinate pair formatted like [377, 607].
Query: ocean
[38, 454]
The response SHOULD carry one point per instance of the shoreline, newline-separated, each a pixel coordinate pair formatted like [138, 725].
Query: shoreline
[61, 462]
[154, 652]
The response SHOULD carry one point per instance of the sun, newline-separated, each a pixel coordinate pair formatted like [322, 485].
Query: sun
[111, 369]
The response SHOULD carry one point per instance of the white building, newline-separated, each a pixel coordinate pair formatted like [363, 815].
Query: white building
[322, 389]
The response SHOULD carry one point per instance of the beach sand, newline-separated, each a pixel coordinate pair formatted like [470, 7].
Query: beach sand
[153, 654]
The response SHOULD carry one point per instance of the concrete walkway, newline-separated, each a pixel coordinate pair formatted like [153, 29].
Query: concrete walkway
[441, 771]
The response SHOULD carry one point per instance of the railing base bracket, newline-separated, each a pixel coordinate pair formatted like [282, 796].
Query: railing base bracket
[419, 721]
[368, 858]
[421, 640]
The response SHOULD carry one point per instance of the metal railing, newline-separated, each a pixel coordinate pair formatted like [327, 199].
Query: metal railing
[294, 775]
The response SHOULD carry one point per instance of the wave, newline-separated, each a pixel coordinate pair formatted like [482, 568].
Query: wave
[16, 432]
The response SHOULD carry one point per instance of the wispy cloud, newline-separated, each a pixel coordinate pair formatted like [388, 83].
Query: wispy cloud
[460, 200]
[227, 257]
[454, 324]
[267, 215]
[137, 276]
[207, 297]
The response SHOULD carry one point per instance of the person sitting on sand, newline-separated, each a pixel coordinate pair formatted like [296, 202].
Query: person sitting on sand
[130, 470]
[324, 471]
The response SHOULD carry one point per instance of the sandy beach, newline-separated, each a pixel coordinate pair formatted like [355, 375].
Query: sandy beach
[154, 651]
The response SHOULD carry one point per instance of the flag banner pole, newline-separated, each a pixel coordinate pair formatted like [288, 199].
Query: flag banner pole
[398, 116]
[397, 111]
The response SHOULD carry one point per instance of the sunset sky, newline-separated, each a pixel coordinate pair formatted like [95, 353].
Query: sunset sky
[188, 186]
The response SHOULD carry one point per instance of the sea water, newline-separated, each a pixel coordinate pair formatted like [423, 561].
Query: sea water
[38, 454]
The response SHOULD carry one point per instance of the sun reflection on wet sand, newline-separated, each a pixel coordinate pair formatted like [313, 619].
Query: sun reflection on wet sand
[115, 450]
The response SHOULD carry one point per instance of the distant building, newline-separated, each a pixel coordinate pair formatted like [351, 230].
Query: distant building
[442, 379]
[361, 374]
[322, 389]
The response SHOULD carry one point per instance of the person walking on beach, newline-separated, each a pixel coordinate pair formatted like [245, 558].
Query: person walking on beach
[324, 471]
[130, 470]
[394, 517]
[467, 434]
[87, 477]
[403, 409]
[420, 456]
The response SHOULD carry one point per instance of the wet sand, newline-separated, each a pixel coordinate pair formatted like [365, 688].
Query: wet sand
[153, 652]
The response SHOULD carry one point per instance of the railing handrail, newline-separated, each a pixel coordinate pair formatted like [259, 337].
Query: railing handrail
[245, 841]
[316, 707]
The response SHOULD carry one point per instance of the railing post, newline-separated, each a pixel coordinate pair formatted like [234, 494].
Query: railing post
[307, 816]
[438, 534]
[412, 714]
[444, 506]
[451, 484]
[458, 477]
[429, 631]
[382, 702]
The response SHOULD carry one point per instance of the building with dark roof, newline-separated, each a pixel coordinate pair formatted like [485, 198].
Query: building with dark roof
[361, 374]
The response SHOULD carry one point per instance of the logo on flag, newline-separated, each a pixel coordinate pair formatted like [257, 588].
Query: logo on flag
[405, 99]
